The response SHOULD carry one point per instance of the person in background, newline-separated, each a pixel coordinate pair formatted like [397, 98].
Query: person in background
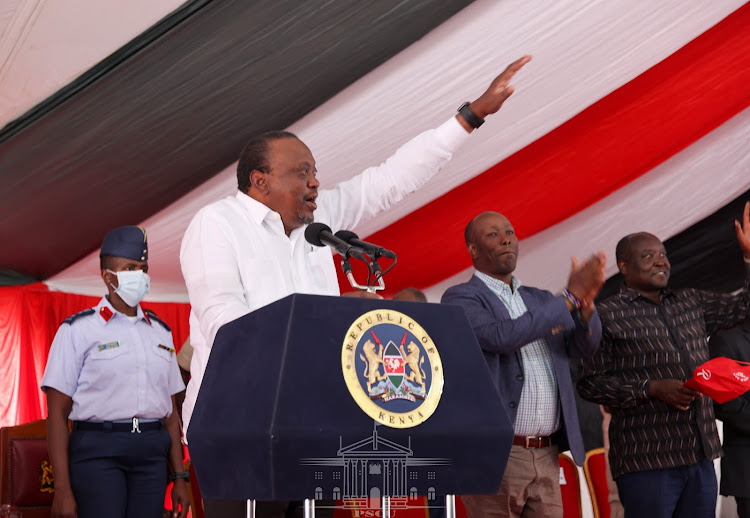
[410, 295]
[663, 435]
[527, 336]
[112, 371]
[735, 344]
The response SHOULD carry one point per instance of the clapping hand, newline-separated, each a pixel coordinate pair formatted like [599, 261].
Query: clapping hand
[586, 279]
[743, 231]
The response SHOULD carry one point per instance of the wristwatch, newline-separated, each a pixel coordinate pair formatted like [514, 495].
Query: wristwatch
[180, 474]
[469, 116]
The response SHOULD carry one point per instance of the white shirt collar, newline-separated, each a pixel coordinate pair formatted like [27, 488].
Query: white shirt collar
[257, 211]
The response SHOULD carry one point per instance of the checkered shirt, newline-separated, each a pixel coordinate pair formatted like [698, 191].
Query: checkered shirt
[539, 406]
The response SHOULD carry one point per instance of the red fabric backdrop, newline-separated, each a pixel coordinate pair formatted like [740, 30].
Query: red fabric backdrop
[29, 318]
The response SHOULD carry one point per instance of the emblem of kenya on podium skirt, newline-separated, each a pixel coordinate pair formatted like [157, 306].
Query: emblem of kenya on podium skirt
[392, 368]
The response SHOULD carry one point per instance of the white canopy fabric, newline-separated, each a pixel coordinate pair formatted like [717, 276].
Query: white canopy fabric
[583, 52]
[44, 45]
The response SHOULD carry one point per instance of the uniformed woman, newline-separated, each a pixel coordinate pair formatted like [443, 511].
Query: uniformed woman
[112, 371]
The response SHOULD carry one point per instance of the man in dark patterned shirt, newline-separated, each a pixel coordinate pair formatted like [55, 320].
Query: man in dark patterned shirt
[663, 435]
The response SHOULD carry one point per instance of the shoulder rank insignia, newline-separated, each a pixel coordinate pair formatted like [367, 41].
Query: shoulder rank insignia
[106, 313]
[150, 315]
[73, 318]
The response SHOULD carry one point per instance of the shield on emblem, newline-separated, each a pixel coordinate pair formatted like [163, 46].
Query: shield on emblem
[394, 364]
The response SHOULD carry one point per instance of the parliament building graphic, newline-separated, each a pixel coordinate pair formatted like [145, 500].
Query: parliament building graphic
[374, 467]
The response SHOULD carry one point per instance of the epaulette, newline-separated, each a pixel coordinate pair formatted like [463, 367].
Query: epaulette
[151, 315]
[72, 318]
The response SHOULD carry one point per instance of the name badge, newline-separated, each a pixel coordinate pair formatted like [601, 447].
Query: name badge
[160, 346]
[110, 345]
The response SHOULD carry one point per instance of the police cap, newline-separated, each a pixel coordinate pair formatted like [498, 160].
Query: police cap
[129, 242]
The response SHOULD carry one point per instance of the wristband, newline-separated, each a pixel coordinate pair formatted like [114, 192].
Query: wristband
[572, 299]
[469, 116]
[180, 474]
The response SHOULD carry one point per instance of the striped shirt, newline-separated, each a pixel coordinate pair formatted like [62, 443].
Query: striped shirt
[539, 407]
[642, 341]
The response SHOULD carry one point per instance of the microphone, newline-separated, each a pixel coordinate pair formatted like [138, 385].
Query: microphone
[319, 234]
[369, 248]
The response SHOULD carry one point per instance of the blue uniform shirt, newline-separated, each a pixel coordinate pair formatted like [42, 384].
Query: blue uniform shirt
[114, 368]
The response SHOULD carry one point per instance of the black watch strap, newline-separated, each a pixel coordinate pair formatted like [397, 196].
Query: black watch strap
[469, 116]
[180, 474]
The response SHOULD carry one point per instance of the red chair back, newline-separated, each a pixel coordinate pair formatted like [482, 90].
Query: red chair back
[595, 469]
[570, 486]
[26, 473]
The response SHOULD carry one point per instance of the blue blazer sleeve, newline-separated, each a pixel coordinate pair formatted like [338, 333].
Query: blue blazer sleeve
[547, 317]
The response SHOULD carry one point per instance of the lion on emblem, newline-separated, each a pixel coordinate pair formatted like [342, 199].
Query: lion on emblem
[372, 360]
[414, 361]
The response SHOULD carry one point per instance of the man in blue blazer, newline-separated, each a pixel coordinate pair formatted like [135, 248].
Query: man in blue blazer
[527, 336]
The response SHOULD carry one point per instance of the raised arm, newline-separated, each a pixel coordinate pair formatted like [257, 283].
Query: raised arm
[496, 94]
[723, 310]
[378, 188]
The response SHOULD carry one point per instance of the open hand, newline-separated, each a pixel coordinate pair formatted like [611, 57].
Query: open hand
[64, 504]
[499, 90]
[587, 278]
[180, 499]
[743, 231]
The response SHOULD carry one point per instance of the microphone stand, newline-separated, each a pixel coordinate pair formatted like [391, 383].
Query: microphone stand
[372, 265]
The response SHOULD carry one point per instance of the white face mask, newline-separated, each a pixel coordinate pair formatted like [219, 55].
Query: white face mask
[132, 286]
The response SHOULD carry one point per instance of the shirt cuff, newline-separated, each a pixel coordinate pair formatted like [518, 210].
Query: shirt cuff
[451, 135]
[641, 389]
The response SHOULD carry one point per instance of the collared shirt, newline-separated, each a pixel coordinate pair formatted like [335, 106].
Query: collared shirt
[644, 341]
[236, 257]
[113, 368]
[539, 406]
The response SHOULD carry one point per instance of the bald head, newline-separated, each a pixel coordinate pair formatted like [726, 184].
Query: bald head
[469, 230]
[492, 243]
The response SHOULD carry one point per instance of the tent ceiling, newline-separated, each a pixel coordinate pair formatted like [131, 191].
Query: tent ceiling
[172, 108]
[655, 91]
[46, 45]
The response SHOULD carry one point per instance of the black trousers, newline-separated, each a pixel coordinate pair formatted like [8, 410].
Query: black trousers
[743, 507]
[119, 474]
[238, 509]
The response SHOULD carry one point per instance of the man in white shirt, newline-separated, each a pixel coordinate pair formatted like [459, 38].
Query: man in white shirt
[244, 252]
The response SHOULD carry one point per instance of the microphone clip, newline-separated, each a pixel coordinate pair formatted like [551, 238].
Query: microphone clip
[346, 267]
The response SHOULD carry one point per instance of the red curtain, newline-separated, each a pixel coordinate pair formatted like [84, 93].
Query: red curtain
[29, 318]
